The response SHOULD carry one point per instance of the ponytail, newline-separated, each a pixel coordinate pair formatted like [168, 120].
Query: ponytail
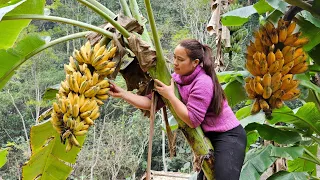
[204, 53]
[218, 93]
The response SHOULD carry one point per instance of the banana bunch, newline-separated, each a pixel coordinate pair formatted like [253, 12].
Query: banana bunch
[82, 92]
[273, 58]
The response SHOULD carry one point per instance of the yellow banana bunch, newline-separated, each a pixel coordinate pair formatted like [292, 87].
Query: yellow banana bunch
[82, 92]
[275, 55]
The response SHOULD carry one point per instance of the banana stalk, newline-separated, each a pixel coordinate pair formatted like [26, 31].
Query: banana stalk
[195, 137]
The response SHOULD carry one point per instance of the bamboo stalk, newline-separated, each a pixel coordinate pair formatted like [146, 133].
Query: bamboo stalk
[115, 24]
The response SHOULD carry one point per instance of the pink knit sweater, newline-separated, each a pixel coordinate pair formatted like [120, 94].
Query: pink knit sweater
[196, 92]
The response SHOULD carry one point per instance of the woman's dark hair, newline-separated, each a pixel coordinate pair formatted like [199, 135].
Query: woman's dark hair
[196, 50]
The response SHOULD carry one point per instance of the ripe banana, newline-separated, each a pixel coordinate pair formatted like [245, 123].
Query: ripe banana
[291, 39]
[286, 68]
[276, 81]
[291, 28]
[299, 68]
[267, 92]
[255, 107]
[300, 42]
[258, 88]
[282, 33]
[80, 133]
[271, 58]
[263, 104]
[266, 80]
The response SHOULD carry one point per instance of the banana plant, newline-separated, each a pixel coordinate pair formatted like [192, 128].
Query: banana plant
[285, 126]
[49, 159]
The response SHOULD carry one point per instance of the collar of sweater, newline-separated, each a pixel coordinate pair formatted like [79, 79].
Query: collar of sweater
[185, 80]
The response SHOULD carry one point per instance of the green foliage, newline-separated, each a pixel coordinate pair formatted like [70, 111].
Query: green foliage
[284, 175]
[270, 133]
[3, 157]
[174, 24]
[11, 29]
[14, 57]
[239, 16]
[234, 92]
[48, 154]
[302, 165]
[260, 159]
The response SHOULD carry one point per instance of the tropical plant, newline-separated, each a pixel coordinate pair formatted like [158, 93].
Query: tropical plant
[292, 134]
[49, 159]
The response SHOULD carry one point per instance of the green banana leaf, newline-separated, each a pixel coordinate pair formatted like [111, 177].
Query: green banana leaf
[305, 81]
[50, 93]
[256, 118]
[315, 67]
[283, 114]
[313, 97]
[9, 6]
[301, 165]
[3, 157]
[235, 92]
[49, 159]
[243, 112]
[259, 160]
[273, 134]
[240, 16]
[306, 118]
[252, 137]
[287, 152]
[309, 30]
[284, 175]
[12, 58]
[10, 30]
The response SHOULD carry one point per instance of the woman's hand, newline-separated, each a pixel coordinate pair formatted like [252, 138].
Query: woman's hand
[164, 90]
[116, 91]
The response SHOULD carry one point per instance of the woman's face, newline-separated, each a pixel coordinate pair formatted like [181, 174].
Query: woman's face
[182, 63]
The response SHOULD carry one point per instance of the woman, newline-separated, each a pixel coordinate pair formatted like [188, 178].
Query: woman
[203, 102]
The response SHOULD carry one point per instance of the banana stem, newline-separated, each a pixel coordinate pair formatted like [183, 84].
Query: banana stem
[304, 5]
[125, 8]
[136, 14]
[121, 29]
[135, 10]
[154, 31]
[102, 8]
[312, 156]
[62, 20]
[45, 46]
[309, 159]
[293, 115]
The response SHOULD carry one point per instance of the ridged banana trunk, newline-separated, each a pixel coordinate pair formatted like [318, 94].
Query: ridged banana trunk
[195, 137]
[198, 142]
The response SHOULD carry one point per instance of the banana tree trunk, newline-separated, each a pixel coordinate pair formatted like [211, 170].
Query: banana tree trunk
[200, 145]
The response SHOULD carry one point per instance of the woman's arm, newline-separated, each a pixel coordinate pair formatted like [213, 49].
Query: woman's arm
[138, 101]
[178, 106]
[181, 110]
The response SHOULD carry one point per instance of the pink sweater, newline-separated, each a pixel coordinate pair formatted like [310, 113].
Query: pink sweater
[196, 92]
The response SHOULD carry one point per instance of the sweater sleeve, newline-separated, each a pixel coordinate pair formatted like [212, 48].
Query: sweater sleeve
[199, 100]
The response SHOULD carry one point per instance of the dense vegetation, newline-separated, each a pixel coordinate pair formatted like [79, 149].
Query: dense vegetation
[116, 147]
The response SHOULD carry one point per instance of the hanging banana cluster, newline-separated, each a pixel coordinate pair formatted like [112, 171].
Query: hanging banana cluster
[82, 92]
[273, 58]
